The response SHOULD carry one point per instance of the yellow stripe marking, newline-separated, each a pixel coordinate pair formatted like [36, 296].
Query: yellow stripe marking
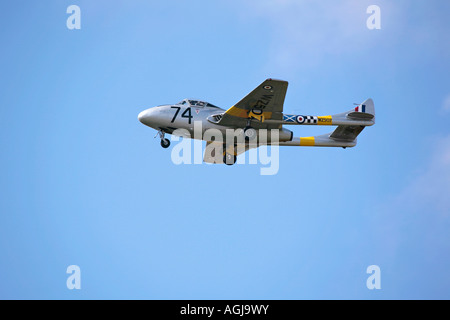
[324, 121]
[259, 117]
[307, 141]
[242, 113]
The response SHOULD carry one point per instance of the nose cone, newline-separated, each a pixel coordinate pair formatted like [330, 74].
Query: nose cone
[148, 117]
[142, 116]
[152, 117]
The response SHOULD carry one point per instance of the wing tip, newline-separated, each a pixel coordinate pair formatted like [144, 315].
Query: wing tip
[278, 80]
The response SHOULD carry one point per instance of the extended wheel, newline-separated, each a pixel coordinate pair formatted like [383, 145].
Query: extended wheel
[165, 143]
[249, 133]
[229, 159]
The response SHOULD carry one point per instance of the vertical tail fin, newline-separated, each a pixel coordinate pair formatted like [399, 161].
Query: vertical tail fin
[364, 111]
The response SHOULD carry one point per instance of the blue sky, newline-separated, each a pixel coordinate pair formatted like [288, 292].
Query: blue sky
[84, 183]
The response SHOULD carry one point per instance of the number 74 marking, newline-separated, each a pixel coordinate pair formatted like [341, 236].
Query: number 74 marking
[186, 114]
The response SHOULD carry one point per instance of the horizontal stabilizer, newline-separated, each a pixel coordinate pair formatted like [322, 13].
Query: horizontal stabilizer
[352, 123]
[346, 133]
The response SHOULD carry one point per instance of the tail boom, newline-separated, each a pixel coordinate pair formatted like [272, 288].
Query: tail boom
[318, 141]
[362, 115]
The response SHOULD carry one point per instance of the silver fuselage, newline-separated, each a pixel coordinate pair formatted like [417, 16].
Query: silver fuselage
[168, 118]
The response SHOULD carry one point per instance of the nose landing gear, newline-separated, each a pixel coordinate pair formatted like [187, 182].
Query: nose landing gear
[165, 143]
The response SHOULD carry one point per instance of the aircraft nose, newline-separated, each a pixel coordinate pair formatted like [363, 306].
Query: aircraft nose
[147, 116]
[150, 117]
[142, 115]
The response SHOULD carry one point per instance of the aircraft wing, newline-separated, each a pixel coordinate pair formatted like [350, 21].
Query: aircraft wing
[263, 103]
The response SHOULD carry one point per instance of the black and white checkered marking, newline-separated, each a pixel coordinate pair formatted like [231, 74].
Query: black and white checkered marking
[311, 119]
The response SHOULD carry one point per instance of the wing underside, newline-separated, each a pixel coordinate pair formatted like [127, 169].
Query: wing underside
[263, 103]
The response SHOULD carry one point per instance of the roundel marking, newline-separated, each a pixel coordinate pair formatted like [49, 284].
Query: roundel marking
[300, 119]
[267, 87]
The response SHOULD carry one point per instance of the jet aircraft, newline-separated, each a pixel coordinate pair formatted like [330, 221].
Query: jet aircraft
[261, 109]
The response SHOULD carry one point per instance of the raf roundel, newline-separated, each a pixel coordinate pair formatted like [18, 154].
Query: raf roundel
[300, 119]
[267, 87]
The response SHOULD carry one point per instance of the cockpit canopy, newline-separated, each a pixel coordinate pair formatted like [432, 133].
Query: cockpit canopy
[197, 103]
